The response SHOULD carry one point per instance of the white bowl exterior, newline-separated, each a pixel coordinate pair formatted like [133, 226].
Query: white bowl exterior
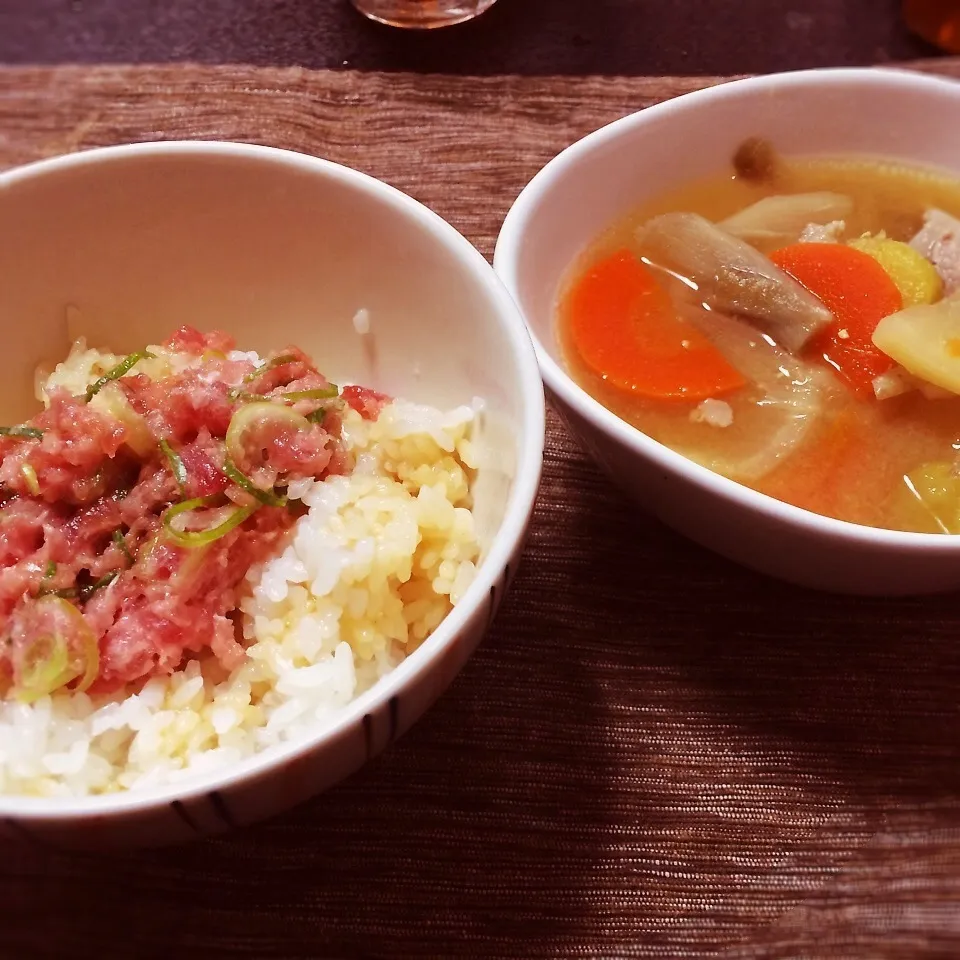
[267, 788]
[125, 244]
[771, 544]
[887, 113]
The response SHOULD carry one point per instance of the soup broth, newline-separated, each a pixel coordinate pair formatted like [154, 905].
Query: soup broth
[856, 454]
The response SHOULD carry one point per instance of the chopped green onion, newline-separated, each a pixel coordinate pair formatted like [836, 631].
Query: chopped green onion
[51, 570]
[119, 540]
[269, 365]
[176, 465]
[322, 393]
[121, 369]
[85, 592]
[200, 538]
[268, 497]
[253, 419]
[30, 478]
[328, 392]
[91, 649]
[237, 394]
[68, 593]
[318, 415]
[47, 664]
[34, 433]
[46, 668]
[112, 401]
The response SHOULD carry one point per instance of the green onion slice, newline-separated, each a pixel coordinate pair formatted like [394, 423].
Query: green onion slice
[88, 590]
[83, 591]
[269, 365]
[119, 539]
[48, 662]
[84, 588]
[317, 416]
[234, 395]
[225, 519]
[251, 422]
[45, 667]
[33, 433]
[176, 465]
[120, 370]
[89, 648]
[30, 478]
[267, 497]
[321, 393]
[112, 401]
[68, 593]
[329, 392]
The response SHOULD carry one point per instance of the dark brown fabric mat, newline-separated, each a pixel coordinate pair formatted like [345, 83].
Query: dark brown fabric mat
[574, 37]
[655, 753]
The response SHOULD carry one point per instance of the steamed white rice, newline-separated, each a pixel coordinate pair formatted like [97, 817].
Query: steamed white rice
[373, 567]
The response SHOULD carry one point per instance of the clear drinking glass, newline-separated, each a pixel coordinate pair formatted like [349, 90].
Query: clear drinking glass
[422, 14]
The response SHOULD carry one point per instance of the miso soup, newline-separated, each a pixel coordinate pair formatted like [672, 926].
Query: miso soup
[791, 324]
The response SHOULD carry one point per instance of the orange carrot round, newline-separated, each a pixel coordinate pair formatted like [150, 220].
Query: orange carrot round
[627, 331]
[859, 293]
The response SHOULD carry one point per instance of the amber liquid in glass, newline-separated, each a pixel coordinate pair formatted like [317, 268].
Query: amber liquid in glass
[937, 21]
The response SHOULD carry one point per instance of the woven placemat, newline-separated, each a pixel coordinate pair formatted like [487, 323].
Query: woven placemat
[655, 752]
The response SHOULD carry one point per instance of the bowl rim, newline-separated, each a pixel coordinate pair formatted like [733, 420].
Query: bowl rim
[557, 381]
[507, 539]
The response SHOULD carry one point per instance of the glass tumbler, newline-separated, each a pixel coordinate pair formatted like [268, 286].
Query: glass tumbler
[422, 14]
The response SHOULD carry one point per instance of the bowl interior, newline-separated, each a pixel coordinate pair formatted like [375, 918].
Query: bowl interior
[882, 113]
[124, 246]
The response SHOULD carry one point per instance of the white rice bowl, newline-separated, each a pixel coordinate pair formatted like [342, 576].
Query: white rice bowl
[375, 564]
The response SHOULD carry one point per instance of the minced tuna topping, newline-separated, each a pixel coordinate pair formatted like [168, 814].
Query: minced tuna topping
[135, 503]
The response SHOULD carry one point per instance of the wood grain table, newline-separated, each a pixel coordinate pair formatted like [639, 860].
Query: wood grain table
[655, 752]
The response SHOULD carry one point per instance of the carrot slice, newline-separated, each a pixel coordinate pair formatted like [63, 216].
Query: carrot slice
[859, 293]
[627, 331]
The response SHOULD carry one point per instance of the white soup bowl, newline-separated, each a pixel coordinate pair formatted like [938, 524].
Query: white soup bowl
[879, 113]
